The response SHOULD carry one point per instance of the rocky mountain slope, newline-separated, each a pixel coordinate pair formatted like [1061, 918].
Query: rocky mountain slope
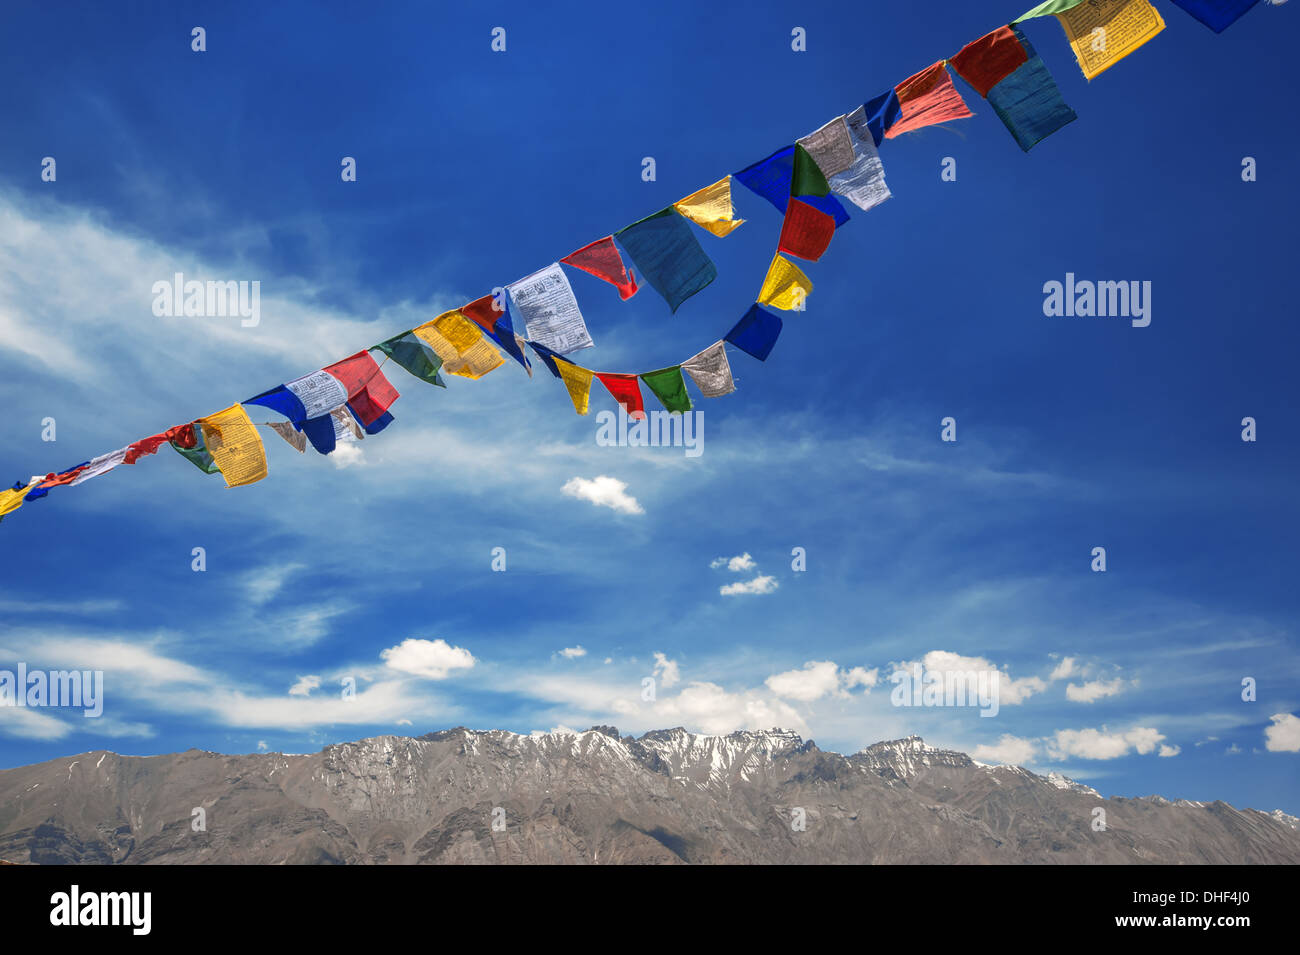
[462, 796]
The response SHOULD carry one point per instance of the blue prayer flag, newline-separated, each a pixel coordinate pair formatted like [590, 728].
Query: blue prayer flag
[669, 256]
[773, 177]
[1218, 15]
[756, 333]
[882, 112]
[1029, 103]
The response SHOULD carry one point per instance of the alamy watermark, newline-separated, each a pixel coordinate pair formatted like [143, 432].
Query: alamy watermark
[1086, 299]
[194, 299]
[923, 687]
[654, 429]
[73, 689]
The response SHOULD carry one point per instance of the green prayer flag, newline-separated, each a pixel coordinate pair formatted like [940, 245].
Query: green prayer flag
[669, 387]
[197, 455]
[809, 180]
[1051, 6]
[415, 356]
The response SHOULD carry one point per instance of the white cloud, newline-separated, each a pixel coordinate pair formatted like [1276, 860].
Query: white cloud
[818, 679]
[759, 585]
[666, 670]
[603, 491]
[1170, 750]
[861, 676]
[815, 680]
[1091, 692]
[304, 686]
[261, 746]
[737, 564]
[571, 653]
[1284, 735]
[1065, 669]
[26, 723]
[432, 659]
[347, 453]
[1100, 744]
[1008, 750]
[264, 583]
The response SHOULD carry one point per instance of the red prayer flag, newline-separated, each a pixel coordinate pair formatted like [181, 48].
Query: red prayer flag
[67, 477]
[483, 311]
[986, 62]
[150, 445]
[369, 393]
[807, 231]
[927, 98]
[603, 260]
[626, 392]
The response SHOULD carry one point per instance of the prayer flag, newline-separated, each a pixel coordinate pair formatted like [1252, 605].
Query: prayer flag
[773, 179]
[493, 316]
[551, 315]
[370, 394]
[548, 357]
[292, 436]
[40, 486]
[626, 391]
[577, 381]
[669, 256]
[236, 447]
[460, 344]
[830, 147]
[603, 260]
[756, 332]
[806, 232]
[785, 287]
[413, 355]
[711, 371]
[12, 499]
[1218, 15]
[669, 387]
[985, 62]
[188, 443]
[1103, 32]
[863, 183]
[1029, 102]
[807, 178]
[1044, 9]
[881, 112]
[101, 465]
[710, 208]
[927, 98]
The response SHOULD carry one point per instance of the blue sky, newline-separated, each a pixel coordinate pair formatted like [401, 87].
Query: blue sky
[476, 168]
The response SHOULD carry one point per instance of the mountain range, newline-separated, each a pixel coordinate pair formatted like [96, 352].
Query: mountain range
[668, 796]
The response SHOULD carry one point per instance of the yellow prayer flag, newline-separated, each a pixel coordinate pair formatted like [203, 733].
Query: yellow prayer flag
[785, 286]
[461, 344]
[710, 208]
[236, 447]
[11, 499]
[578, 380]
[1103, 32]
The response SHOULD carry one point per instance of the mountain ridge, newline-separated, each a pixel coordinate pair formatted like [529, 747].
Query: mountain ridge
[669, 796]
